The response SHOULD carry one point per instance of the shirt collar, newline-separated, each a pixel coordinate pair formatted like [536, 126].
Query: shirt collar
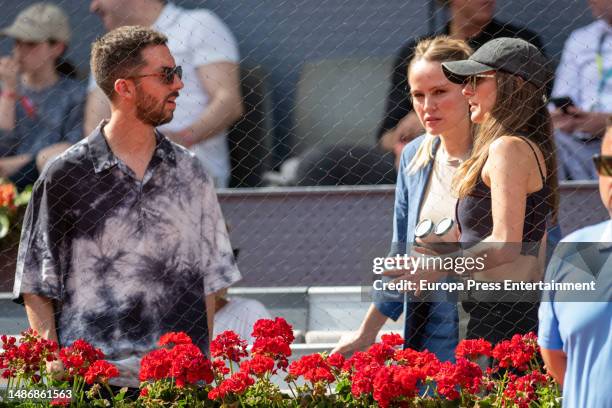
[103, 157]
[167, 18]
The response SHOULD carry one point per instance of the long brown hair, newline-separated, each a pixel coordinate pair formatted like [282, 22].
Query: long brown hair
[437, 49]
[520, 109]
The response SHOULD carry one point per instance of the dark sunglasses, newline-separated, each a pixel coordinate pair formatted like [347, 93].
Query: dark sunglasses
[167, 75]
[477, 79]
[603, 164]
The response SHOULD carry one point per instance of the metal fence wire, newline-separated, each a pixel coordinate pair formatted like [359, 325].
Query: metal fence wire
[310, 197]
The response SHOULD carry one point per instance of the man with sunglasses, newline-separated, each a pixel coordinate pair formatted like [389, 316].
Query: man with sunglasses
[206, 49]
[124, 239]
[574, 327]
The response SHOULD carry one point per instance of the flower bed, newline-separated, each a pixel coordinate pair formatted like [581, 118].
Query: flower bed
[178, 374]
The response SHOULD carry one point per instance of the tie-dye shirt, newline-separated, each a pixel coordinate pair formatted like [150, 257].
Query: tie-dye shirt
[125, 260]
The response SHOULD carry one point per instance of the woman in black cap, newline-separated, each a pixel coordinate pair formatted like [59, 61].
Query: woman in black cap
[507, 188]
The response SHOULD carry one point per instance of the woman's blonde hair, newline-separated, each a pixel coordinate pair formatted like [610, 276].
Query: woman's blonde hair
[520, 109]
[437, 49]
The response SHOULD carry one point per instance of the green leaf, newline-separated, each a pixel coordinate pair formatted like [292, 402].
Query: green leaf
[4, 225]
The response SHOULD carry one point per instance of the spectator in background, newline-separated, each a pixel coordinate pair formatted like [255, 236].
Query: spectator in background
[237, 314]
[208, 53]
[423, 191]
[575, 336]
[41, 103]
[584, 75]
[470, 20]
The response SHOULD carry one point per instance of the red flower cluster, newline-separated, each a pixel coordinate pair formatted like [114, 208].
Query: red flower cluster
[174, 338]
[236, 384]
[79, 356]
[336, 361]
[228, 345]
[462, 375]
[273, 339]
[394, 382]
[392, 339]
[273, 328]
[363, 367]
[522, 390]
[472, 349]
[313, 368]
[100, 371]
[26, 356]
[258, 365]
[516, 352]
[184, 362]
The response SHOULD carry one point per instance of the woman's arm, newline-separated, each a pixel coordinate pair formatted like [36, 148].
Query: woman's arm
[511, 172]
[8, 95]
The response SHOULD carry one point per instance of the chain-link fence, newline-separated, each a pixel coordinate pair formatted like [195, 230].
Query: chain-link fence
[322, 84]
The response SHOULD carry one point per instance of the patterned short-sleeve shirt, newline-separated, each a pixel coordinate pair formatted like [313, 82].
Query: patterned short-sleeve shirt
[125, 260]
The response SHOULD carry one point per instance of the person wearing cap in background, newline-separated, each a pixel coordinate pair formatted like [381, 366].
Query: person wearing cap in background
[41, 102]
[206, 49]
[574, 334]
[507, 188]
[470, 20]
[583, 94]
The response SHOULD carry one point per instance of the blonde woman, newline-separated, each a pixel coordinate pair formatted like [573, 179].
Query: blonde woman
[423, 191]
[507, 188]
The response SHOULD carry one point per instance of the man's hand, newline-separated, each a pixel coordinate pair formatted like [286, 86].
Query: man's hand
[576, 120]
[56, 368]
[593, 123]
[563, 121]
[352, 342]
[9, 74]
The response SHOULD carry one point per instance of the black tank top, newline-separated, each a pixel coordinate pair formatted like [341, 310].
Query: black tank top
[475, 218]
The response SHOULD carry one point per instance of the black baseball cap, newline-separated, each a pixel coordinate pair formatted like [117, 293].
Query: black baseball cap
[511, 55]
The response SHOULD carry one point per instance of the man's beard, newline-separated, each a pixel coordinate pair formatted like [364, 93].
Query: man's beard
[150, 111]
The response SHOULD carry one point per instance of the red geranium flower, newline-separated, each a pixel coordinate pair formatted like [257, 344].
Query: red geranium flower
[100, 371]
[228, 345]
[336, 360]
[155, 365]
[516, 352]
[392, 339]
[26, 356]
[258, 365]
[313, 368]
[266, 328]
[522, 390]
[174, 338]
[424, 360]
[236, 384]
[392, 382]
[189, 365]
[79, 356]
[274, 347]
[472, 349]
[381, 352]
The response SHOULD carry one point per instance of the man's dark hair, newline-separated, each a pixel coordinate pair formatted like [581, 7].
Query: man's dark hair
[119, 52]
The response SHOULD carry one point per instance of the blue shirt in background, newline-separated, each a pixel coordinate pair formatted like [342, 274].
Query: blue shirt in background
[583, 330]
